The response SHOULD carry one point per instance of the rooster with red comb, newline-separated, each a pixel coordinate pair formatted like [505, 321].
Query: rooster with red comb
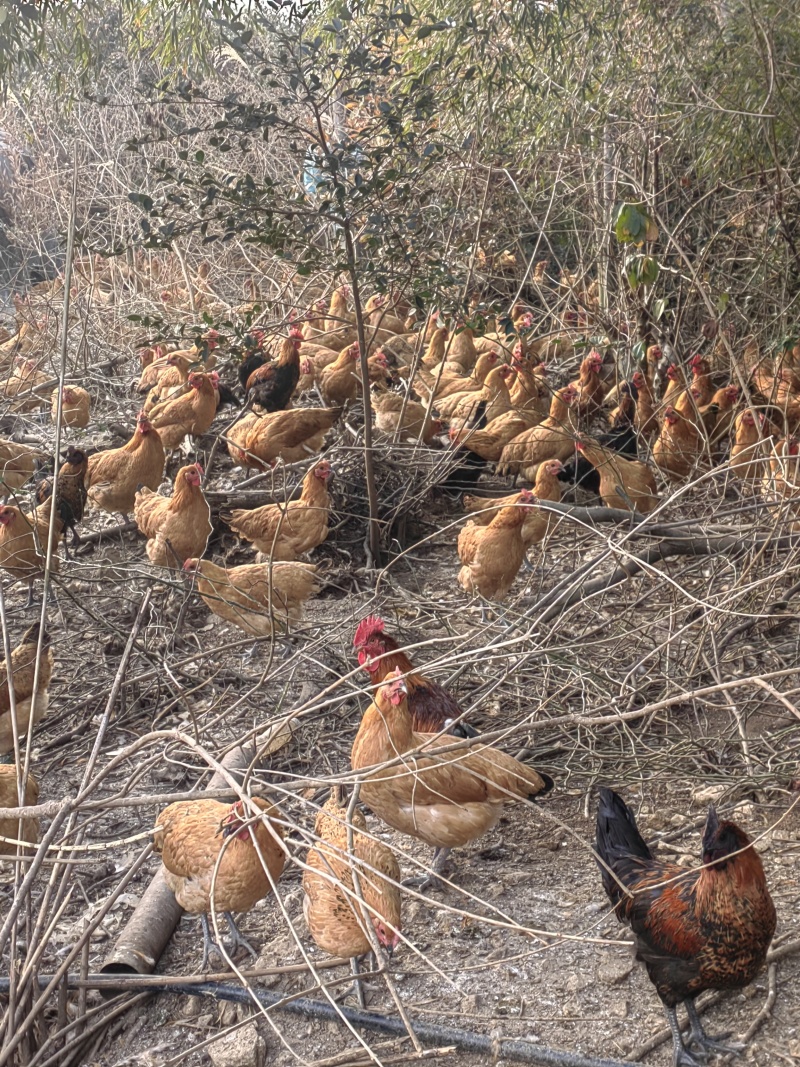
[432, 708]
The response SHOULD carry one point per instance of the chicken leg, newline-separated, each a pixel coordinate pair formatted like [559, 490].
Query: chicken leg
[437, 866]
[211, 946]
[681, 1056]
[704, 1041]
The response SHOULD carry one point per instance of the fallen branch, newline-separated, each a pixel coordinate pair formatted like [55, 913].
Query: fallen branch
[497, 1047]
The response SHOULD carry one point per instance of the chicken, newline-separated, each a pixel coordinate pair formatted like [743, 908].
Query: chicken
[256, 594]
[23, 543]
[495, 392]
[588, 385]
[538, 521]
[340, 381]
[678, 446]
[452, 383]
[188, 413]
[701, 381]
[625, 483]
[645, 420]
[780, 486]
[286, 531]
[377, 312]
[724, 403]
[271, 385]
[530, 393]
[113, 476]
[335, 917]
[707, 928]
[221, 857]
[71, 492]
[747, 459]
[489, 442]
[434, 353]
[388, 408]
[492, 555]
[173, 380]
[28, 711]
[176, 527]
[461, 348]
[677, 385]
[17, 464]
[261, 440]
[24, 377]
[551, 439]
[446, 799]
[76, 405]
[169, 370]
[153, 361]
[339, 313]
[16, 829]
[431, 707]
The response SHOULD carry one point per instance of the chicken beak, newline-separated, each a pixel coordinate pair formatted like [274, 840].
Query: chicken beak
[389, 949]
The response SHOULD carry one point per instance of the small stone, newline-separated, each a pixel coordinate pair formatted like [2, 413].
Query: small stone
[192, 1007]
[226, 1014]
[243, 1048]
[614, 971]
[708, 794]
[576, 983]
[204, 1021]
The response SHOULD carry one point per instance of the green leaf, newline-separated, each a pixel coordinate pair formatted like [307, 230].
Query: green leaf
[658, 308]
[630, 224]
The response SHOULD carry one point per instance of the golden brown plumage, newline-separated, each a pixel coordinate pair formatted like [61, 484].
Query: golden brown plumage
[17, 464]
[285, 532]
[780, 486]
[76, 406]
[340, 381]
[625, 483]
[176, 527]
[679, 446]
[259, 441]
[748, 451]
[193, 835]
[495, 393]
[27, 829]
[588, 385]
[552, 439]
[446, 800]
[333, 913]
[187, 414]
[492, 555]
[489, 442]
[23, 669]
[388, 408]
[251, 595]
[114, 475]
[538, 521]
[23, 542]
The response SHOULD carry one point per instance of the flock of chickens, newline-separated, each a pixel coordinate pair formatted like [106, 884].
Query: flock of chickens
[489, 400]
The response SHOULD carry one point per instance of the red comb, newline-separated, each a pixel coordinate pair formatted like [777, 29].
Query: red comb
[367, 628]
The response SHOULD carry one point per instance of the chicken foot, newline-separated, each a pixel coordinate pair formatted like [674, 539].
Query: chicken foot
[237, 940]
[437, 866]
[358, 985]
[706, 1043]
[681, 1056]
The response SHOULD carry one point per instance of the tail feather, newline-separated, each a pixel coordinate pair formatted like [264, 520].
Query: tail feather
[618, 841]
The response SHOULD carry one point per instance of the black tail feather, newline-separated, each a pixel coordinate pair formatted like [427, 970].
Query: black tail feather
[618, 839]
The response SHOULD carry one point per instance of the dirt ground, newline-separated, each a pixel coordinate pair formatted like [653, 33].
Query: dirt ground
[625, 687]
[521, 943]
